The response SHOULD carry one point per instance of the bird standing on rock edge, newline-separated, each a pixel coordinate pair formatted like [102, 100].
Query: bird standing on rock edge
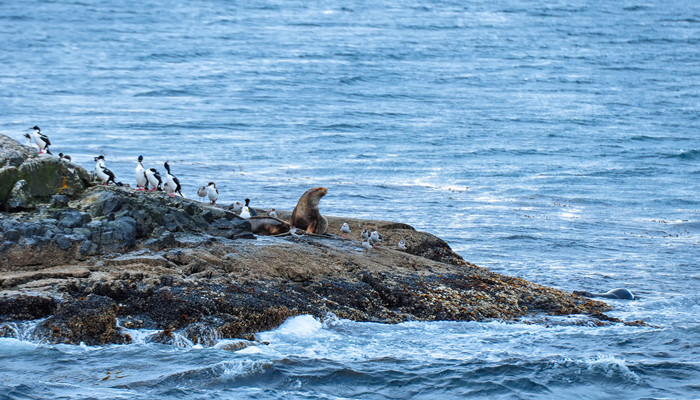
[172, 184]
[140, 173]
[212, 192]
[41, 140]
[102, 173]
[154, 179]
[202, 193]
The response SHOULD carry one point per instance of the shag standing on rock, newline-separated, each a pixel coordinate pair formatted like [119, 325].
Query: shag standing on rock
[212, 192]
[41, 140]
[252, 212]
[141, 179]
[172, 184]
[102, 173]
[154, 179]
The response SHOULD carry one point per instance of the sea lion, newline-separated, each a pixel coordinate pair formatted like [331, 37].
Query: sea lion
[306, 215]
[267, 226]
[619, 293]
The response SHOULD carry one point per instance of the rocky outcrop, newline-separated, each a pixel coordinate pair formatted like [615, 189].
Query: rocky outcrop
[27, 177]
[84, 261]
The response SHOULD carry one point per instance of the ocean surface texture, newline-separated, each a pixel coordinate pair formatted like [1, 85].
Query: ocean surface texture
[554, 141]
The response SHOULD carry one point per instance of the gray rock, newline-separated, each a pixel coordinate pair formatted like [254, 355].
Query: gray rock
[12, 235]
[44, 176]
[8, 177]
[20, 197]
[71, 219]
[59, 201]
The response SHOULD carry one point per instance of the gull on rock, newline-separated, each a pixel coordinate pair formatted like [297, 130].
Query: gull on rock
[401, 245]
[202, 193]
[236, 208]
[375, 238]
[345, 230]
[272, 213]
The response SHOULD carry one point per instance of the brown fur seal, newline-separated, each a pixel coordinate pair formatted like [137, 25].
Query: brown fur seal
[306, 215]
[267, 226]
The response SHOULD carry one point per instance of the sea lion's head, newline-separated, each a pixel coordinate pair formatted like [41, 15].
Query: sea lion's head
[314, 195]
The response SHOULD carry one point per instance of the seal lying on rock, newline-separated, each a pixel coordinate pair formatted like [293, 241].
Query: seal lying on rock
[306, 215]
[267, 226]
[619, 293]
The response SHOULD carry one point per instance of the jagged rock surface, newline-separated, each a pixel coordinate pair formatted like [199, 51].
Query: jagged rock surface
[100, 254]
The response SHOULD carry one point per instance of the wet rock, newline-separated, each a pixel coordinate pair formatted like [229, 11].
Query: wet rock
[26, 307]
[91, 320]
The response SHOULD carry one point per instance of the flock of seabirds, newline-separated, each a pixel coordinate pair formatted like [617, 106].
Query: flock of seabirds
[171, 186]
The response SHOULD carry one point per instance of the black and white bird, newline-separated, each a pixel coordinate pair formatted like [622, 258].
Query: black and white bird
[345, 230]
[102, 173]
[172, 184]
[140, 174]
[272, 213]
[401, 245]
[154, 179]
[202, 193]
[252, 212]
[212, 192]
[64, 157]
[41, 140]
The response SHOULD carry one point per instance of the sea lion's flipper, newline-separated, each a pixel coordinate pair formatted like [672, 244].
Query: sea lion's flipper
[311, 228]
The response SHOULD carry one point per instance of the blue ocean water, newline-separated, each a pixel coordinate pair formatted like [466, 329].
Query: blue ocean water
[555, 142]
